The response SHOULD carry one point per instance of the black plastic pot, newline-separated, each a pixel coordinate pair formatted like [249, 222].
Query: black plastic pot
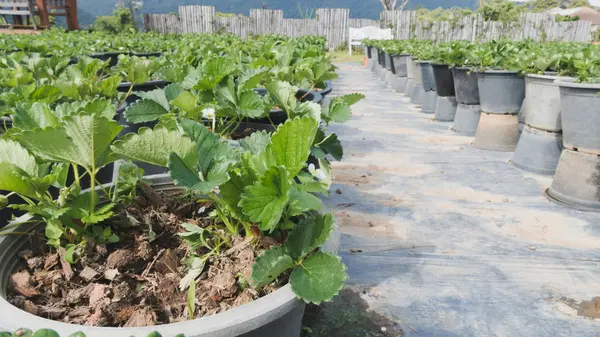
[444, 81]
[327, 90]
[144, 87]
[5, 124]
[113, 57]
[278, 116]
[369, 52]
[465, 86]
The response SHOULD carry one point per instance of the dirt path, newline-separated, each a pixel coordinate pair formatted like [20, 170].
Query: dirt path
[454, 240]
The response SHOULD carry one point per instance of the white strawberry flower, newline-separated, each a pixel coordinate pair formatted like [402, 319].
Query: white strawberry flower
[208, 113]
[317, 173]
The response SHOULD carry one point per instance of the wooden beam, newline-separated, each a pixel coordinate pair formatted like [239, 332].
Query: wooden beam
[42, 6]
[71, 9]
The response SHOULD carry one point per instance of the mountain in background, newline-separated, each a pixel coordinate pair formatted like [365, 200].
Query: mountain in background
[367, 9]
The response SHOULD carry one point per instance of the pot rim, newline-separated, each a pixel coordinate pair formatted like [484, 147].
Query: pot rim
[499, 72]
[440, 65]
[424, 61]
[564, 82]
[239, 320]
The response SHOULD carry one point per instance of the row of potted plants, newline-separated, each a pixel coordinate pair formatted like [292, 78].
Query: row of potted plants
[553, 87]
[233, 232]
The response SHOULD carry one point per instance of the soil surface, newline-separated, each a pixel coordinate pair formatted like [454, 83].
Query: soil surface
[136, 282]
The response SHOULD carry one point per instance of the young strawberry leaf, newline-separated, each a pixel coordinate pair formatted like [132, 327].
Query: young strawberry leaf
[82, 139]
[155, 147]
[269, 266]
[291, 143]
[319, 278]
[144, 110]
[266, 200]
[308, 235]
[301, 202]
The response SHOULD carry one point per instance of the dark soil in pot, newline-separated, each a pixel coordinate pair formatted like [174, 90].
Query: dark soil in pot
[135, 282]
[465, 86]
[444, 81]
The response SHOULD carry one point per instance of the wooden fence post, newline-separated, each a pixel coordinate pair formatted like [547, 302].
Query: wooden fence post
[333, 24]
[267, 21]
[43, 12]
[197, 19]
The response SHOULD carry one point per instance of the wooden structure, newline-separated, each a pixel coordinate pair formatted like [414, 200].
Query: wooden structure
[18, 9]
[66, 8]
[334, 23]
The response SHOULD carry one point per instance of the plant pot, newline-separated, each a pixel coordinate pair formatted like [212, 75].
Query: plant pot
[367, 51]
[113, 57]
[580, 116]
[427, 78]
[278, 314]
[6, 213]
[466, 119]
[327, 90]
[445, 109]
[400, 64]
[497, 132]
[465, 86]
[444, 81]
[143, 87]
[429, 102]
[399, 84]
[418, 94]
[538, 151]
[500, 91]
[543, 111]
[577, 180]
[388, 62]
[5, 124]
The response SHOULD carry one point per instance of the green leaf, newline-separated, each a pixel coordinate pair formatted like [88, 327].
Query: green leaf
[186, 102]
[269, 266]
[155, 147]
[329, 145]
[45, 94]
[231, 194]
[5, 334]
[156, 95]
[17, 168]
[101, 106]
[251, 104]
[144, 111]
[308, 235]
[319, 278]
[15, 154]
[301, 202]
[38, 115]
[250, 78]
[191, 299]
[352, 99]
[283, 94]
[154, 334]
[291, 143]
[256, 143]
[83, 140]
[213, 72]
[172, 91]
[214, 156]
[266, 200]
[77, 334]
[181, 173]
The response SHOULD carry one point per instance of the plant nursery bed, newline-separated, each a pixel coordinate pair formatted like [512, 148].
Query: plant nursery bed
[135, 282]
